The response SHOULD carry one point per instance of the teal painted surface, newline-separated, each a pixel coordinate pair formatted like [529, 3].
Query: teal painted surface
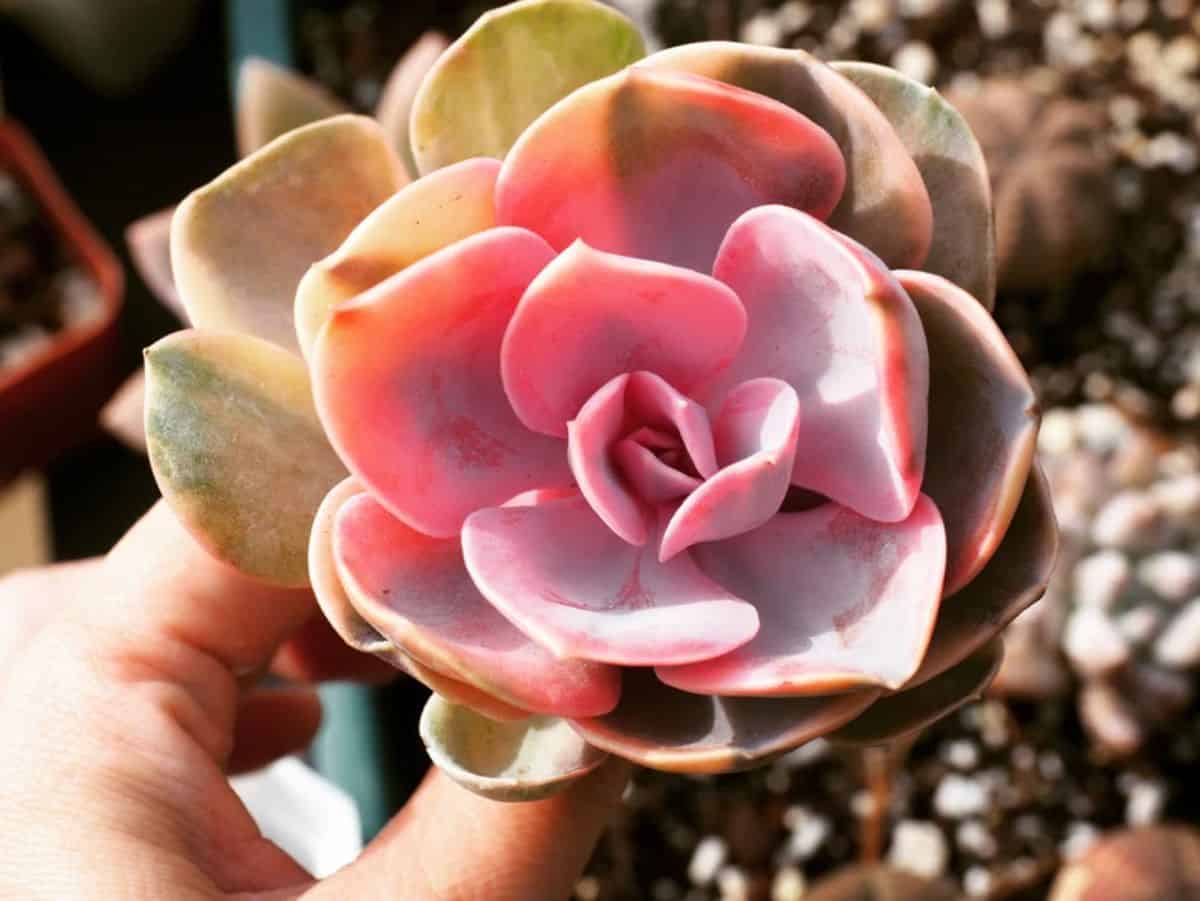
[260, 28]
[349, 750]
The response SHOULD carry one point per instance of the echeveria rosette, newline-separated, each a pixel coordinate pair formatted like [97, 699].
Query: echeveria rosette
[682, 432]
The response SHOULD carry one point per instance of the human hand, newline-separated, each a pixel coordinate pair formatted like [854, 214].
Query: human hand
[128, 695]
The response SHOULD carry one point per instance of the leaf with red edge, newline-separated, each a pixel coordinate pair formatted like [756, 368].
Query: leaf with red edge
[657, 165]
[884, 204]
[407, 382]
[240, 244]
[952, 166]
[843, 602]
[420, 219]
[555, 570]
[415, 591]
[666, 729]
[983, 421]
[902, 714]
[828, 318]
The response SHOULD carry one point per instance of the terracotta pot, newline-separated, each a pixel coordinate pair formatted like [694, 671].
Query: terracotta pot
[48, 404]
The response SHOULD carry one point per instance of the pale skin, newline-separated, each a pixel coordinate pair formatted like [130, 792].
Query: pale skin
[127, 697]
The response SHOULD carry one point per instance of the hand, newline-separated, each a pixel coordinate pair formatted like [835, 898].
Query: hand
[127, 696]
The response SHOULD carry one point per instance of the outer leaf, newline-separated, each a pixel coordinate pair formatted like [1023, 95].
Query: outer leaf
[272, 100]
[884, 204]
[521, 761]
[237, 449]
[909, 711]
[671, 730]
[1014, 578]
[510, 66]
[952, 166]
[983, 420]
[240, 245]
[149, 240]
[879, 883]
[394, 111]
[423, 217]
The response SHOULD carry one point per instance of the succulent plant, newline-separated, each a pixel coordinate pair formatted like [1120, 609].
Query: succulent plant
[1154, 863]
[1122, 614]
[630, 426]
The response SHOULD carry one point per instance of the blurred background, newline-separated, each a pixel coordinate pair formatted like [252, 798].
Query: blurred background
[1088, 112]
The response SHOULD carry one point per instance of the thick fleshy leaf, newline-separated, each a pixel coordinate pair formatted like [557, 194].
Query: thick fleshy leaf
[953, 169]
[755, 439]
[240, 245]
[658, 164]
[909, 711]
[557, 572]
[511, 66]
[359, 634]
[884, 204]
[874, 882]
[149, 240]
[394, 110]
[621, 478]
[237, 449]
[828, 318]
[983, 420]
[272, 100]
[521, 761]
[1014, 578]
[422, 218]
[843, 602]
[407, 381]
[415, 591]
[666, 729]
[591, 316]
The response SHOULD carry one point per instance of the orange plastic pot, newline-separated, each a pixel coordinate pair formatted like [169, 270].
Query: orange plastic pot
[49, 403]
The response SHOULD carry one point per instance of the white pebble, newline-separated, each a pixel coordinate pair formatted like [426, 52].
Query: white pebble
[808, 832]
[1179, 497]
[1108, 718]
[1093, 643]
[1145, 803]
[1129, 520]
[1058, 432]
[1102, 428]
[707, 860]
[973, 837]
[977, 881]
[1078, 838]
[1139, 624]
[916, 60]
[1179, 644]
[1100, 578]
[961, 754]
[958, 797]
[733, 884]
[1172, 575]
[788, 885]
[919, 847]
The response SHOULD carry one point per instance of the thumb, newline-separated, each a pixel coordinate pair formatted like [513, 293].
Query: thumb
[448, 844]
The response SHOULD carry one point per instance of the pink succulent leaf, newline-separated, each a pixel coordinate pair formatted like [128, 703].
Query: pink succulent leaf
[843, 602]
[826, 316]
[405, 378]
[909, 711]
[885, 204]
[561, 575]
[1015, 577]
[622, 479]
[666, 729]
[421, 218]
[415, 591]
[149, 240]
[591, 315]
[983, 421]
[339, 610]
[755, 437]
[658, 164]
